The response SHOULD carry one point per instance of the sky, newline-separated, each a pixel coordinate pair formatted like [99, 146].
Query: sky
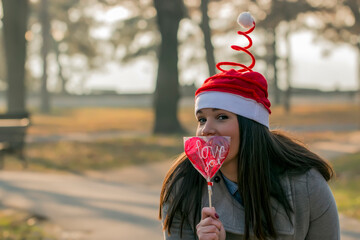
[138, 77]
[311, 69]
[338, 71]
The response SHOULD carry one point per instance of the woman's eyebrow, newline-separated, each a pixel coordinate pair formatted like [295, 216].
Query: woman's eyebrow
[213, 109]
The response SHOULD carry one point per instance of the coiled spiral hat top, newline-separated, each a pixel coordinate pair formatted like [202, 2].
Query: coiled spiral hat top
[243, 91]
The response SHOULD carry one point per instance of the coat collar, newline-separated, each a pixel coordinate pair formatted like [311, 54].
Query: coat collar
[232, 214]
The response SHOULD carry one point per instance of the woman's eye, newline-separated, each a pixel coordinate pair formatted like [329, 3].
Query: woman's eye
[222, 117]
[201, 120]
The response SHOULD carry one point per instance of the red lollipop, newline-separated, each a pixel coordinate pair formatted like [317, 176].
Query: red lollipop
[207, 154]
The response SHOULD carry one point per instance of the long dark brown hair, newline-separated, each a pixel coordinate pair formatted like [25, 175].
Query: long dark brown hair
[264, 157]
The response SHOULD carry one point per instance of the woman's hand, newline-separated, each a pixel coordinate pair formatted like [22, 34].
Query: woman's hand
[210, 227]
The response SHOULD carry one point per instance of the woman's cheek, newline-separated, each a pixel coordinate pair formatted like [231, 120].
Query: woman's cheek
[198, 131]
[232, 152]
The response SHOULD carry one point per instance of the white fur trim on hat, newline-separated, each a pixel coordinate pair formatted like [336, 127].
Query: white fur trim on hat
[245, 20]
[233, 103]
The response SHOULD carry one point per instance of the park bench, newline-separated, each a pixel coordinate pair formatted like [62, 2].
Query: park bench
[12, 136]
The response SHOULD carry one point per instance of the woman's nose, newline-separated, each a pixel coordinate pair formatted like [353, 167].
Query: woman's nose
[208, 129]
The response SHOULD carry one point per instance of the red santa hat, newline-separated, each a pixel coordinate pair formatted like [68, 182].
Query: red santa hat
[243, 92]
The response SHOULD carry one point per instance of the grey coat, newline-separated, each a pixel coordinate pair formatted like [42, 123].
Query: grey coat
[315, 214]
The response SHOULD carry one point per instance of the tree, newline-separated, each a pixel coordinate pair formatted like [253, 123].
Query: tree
[209, 48]
[45, 29]
[342, 25]
[2, 59]
[142, 22]
[288, 91]
[68, 39]
[270, 15]
[166, 96]
[15, 25]
[160, 28]
[276, 12]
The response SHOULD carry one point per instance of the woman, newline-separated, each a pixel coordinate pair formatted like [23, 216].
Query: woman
[269, 187]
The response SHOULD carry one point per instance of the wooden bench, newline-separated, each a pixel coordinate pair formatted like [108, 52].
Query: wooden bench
[12, 136]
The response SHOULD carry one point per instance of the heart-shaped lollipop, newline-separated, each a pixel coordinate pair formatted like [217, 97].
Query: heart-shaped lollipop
[207, 154]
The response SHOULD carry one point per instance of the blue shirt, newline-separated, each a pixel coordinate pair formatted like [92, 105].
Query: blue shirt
[233, 189]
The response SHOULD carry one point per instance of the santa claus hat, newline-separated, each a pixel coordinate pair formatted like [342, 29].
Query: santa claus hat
[243, 92]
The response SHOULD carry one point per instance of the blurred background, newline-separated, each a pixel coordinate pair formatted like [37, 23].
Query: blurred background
[95, 97]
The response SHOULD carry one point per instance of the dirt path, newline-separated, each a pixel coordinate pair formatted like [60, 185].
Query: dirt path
[94, 207]
[84, 207]
[119, 204]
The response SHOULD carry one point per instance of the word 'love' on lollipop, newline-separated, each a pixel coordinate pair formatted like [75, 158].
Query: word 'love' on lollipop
[207, 154]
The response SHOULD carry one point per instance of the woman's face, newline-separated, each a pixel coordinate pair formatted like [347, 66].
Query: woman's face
[218, 122]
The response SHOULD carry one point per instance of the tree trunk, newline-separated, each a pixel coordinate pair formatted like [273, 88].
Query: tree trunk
[15, 25]
[60, 72]
[166, 96]
[205, 27]
[273, 63]
[287, 97]
[2, 59]
[358, 48]
[45, 28]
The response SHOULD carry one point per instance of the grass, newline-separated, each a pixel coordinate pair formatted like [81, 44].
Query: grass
[19, 225]
[77, 157]
[143, 147]
[62, 121]
[101, 155]
[319, 114]
[346, 187]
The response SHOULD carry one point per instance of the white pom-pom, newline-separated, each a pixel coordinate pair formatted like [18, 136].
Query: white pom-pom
[245, 20]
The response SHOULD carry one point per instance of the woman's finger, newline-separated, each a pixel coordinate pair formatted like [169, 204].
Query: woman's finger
[208, 236]
[209, 212]
[209, 221]
[208, 232]
[208, 229]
